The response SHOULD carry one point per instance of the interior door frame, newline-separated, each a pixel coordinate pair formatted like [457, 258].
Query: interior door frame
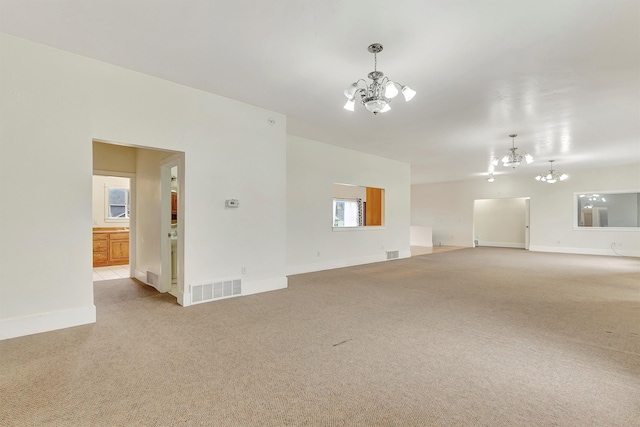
[527, 223]
[164, 282]
[132, 213]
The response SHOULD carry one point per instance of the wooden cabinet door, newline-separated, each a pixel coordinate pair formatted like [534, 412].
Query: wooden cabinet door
[373, 213]
[119, 248]
[119, 252]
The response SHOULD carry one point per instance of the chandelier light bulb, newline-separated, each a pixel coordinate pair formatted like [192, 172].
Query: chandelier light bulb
[350, 105]
[390, 90]
[351, 90]
[408, 93]
[377, 95]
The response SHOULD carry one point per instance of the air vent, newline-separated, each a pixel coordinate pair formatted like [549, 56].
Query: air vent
[215, 290]
[393, 254]
[152, 278]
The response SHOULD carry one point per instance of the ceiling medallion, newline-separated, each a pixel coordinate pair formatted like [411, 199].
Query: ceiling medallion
[377, 95]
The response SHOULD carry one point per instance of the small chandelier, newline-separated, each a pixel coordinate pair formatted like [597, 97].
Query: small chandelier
[376, 96]
[552, 177]
[513, 158]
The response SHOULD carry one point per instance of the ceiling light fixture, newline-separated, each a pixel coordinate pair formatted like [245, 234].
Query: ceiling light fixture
[513, 158]
[377, 95]
[552, 177]
[491, 178]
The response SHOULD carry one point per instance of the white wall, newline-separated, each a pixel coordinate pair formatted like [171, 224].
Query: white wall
[342, 191]
[500, 222]
[312, 170]
[448, 208]
[53, 104]
[99, 208]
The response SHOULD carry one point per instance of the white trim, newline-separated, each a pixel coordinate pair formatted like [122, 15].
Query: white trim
[184, 298]
[45, 322]
[363, 228]
[340, 263]
[622, 229]
[250, 287]
[584, 251]
[501, 244]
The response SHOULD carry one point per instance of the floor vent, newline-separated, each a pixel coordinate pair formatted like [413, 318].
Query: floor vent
[211, 291]
[393, 254]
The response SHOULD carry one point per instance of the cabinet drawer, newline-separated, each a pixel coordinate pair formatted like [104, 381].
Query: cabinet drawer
[100, 246]
[100, 258]
[100, 236]
[119, 236]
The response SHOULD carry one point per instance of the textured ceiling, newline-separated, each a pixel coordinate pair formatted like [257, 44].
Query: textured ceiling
[562, 74]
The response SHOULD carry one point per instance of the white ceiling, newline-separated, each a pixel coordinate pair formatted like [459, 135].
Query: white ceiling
[562, 74]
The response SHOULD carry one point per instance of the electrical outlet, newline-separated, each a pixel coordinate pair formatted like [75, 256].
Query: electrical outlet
[244, 270]
[318, 254]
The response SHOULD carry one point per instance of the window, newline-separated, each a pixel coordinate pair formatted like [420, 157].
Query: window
[117, 204]
[347, 212]
[357, 206]
[613, 209]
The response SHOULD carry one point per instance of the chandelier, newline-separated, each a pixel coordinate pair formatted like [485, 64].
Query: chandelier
[552, 177]
[513, 158]
[377, 95]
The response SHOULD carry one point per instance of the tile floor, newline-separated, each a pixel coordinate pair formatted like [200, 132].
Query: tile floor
[111, 272]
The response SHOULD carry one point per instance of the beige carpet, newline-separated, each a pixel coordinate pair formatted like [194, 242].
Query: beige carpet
[472, 337]
[424, 250]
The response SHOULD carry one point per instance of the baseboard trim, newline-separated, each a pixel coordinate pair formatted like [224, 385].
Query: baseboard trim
[500, 244]
[250, 287]
[341, 263]
[584, 251]
[45, 322]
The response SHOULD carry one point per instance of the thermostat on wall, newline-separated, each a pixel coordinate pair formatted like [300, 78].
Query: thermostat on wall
[231, 203]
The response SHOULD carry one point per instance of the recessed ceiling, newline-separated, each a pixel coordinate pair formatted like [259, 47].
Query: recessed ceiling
[563, 75]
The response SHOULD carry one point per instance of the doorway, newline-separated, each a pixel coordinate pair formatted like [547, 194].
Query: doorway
[502, 223]
[111, 233]
[149, 180]
[172, 226]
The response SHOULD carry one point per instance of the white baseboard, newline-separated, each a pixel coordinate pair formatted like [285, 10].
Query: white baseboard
[259, 286]
[45, 322]
[584, 251]
[184, 298]
[500, 244]
[340, 263]
[142, 277]
[249, 287]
